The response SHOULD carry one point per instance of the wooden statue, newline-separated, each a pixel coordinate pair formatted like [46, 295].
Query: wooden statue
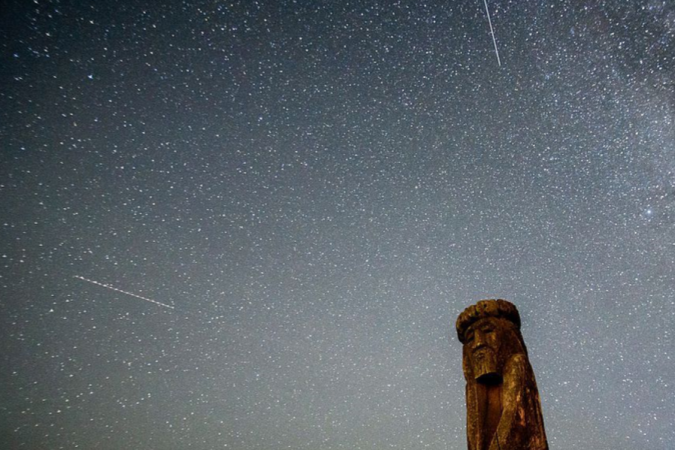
[502, 401]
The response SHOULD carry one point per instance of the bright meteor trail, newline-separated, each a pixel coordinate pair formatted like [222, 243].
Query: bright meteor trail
[494, 40]
[124, 292]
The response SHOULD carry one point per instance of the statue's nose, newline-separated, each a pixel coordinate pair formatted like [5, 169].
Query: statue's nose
[478, 339]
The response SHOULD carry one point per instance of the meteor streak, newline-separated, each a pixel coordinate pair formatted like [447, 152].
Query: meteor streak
[494, 41]
[107, 286]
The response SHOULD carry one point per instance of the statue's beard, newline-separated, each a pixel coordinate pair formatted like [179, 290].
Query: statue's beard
[485, 366]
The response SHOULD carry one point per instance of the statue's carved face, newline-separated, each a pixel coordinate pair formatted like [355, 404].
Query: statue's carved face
[483, 343]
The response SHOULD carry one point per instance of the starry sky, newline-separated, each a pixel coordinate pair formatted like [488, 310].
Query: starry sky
[313, 191]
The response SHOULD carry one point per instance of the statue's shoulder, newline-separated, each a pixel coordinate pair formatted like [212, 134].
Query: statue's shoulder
[517, 365]
[517, 359]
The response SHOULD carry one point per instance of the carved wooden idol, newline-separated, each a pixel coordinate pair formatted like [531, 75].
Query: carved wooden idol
[502, 401]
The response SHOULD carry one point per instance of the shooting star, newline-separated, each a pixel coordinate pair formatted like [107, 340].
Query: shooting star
[107, 286]
[494, 41]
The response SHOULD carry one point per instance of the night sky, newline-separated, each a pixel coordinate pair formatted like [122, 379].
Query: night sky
[318, 189]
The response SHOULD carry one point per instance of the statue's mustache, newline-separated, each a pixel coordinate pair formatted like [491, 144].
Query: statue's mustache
[481, 349]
